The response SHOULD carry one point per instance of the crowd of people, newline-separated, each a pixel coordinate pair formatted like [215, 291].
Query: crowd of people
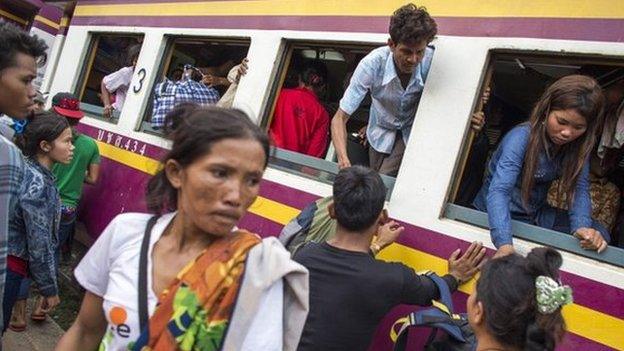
[184, 276]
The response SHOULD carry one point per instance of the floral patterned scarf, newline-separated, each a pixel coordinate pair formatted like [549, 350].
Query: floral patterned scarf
[194, 312]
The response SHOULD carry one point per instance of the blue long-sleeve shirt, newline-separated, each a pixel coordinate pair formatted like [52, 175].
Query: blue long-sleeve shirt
[501, 192]
[33, 230]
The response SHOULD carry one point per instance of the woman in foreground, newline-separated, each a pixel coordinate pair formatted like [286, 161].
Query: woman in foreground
[209, 285]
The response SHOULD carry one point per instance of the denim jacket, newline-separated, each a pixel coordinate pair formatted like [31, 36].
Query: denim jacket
[501, 196]
[33, 230]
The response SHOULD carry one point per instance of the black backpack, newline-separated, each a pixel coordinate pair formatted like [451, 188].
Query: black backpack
[449, 331]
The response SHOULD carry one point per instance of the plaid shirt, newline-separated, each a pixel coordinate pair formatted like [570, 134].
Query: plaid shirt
[168, 94]
[11, 178]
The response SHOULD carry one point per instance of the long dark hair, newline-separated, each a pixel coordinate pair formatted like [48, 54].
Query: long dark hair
[194, 130]
[42, 126]
[506, 288]
[576, 92]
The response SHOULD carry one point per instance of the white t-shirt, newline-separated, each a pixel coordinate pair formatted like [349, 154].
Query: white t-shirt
[118, 82]
[110, 269]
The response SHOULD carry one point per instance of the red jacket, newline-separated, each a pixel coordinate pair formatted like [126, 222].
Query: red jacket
[300, 122]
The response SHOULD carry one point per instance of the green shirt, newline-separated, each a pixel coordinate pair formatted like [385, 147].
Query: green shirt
[70, 177]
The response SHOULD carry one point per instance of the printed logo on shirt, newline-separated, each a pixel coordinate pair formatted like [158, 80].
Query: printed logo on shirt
[118, 317]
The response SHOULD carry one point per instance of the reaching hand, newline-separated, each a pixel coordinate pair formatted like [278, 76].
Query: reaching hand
[362, 135]
[591, 239]
[242, 69]
[388, 233]
[466, 266]
[477, 121]
[343, 162]
[504, 250]
[49, 302]
[108, 111]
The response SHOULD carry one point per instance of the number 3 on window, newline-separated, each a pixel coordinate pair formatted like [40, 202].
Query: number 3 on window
[138, 87]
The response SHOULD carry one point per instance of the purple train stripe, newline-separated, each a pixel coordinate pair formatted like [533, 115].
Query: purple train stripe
[551, 28]
[426, 240]
[381, 341]
[151, 151]
[283, 194]
[44, 27]
[442, 246]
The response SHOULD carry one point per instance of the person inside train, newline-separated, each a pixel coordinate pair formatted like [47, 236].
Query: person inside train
[192, 88]
[532, 286]
[394, 76]
[19, 55]
[351, 291]
[555, 143]
[194, 296]
[114, 87]
[69, 179]
[33, 230]
[300, 123]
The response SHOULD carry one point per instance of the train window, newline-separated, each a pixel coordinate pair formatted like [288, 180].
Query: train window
[200, 70]
[105, 78]
[514, 81]
[312, 78]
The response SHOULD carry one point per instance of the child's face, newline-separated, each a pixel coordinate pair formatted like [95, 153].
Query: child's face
[62, 150]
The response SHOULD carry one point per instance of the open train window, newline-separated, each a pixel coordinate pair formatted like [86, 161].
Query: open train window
[206, 61]
[333, 64]
[515, 81]
[110, 58]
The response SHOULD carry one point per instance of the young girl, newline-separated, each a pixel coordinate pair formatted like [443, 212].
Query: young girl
[532, 286]
[555, 143]
[194, 258]
[47, 139]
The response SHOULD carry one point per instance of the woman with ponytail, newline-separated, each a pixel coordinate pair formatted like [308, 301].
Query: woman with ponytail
[554, 144]
[300, 122]
[185, 277]
[33, 230]
[517, 303]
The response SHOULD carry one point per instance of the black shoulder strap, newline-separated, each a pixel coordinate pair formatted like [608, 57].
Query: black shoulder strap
[143, 312]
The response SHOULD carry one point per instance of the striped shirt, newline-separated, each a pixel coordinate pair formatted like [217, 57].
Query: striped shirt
[11, 176]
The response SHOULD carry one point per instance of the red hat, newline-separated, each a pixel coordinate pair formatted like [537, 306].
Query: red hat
[67, 105]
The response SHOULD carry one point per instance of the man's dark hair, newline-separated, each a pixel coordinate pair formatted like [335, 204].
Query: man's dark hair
[359, 196]
[14, 40]
[411, 24]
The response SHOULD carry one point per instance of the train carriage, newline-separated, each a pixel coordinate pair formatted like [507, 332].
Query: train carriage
[517, 46]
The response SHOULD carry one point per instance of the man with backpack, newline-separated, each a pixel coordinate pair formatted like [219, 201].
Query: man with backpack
[350, 291]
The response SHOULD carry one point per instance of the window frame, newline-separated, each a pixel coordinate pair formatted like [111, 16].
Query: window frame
[612, 255]
[80, 86]
[293, 162]
[144, 126]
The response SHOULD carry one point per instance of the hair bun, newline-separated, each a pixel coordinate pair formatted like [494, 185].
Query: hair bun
[544, 261]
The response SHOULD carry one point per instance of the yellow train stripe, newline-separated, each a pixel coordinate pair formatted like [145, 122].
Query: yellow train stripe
[130, 159]
[279, 212]
[47, 22]
[13, 17]
[580, 320]
[583, 321]
[447, 8]
[64, 21]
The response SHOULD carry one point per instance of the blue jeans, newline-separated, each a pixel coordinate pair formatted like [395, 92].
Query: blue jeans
[11, 290]
[66, 230]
